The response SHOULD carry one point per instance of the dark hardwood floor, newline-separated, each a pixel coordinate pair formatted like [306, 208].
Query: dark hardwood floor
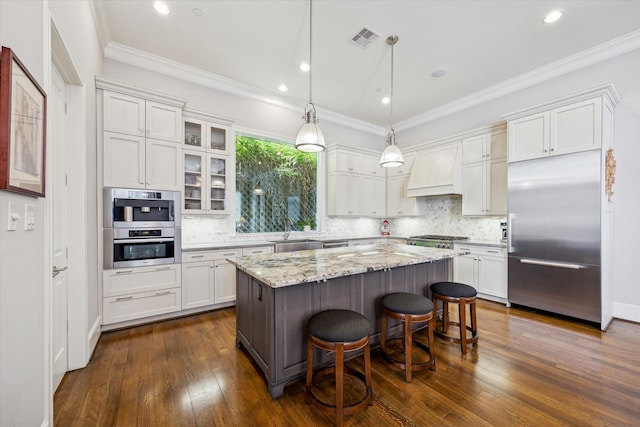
[527, 369]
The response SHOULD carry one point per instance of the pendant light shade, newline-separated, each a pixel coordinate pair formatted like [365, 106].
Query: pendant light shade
[391, 156]
[310, 138]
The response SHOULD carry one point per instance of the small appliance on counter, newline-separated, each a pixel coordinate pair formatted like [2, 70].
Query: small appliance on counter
[384, 228]
[503, 232]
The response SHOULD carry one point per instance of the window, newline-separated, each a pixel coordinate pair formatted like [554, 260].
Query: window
[274, 183]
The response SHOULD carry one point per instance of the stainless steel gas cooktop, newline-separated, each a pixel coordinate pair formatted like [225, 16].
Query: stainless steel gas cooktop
[435, 241]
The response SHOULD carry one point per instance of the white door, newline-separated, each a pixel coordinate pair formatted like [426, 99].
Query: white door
[56, 145]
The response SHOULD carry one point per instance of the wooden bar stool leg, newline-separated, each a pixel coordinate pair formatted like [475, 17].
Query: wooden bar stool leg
[462, 310]
[445, 316]
[309, 370]
[474, 328]
[339, 384]
[408, 341]
[383, 331]
[367, 369]
[430, 339]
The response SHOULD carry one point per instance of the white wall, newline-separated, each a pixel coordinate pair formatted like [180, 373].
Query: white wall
[24, 263]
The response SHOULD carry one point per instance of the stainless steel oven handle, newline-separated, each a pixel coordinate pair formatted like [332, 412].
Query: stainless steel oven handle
[143, 240]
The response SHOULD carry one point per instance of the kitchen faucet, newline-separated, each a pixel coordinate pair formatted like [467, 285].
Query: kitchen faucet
[287, 221]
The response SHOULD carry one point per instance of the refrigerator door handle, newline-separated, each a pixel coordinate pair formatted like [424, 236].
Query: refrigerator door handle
[551, 263]
[510, 219]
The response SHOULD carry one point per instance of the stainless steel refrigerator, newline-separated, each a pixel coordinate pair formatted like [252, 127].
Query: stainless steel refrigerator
[554, 234]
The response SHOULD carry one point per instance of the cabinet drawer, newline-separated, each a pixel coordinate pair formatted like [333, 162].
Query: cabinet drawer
[145, 304]
[257, 251]
[142, 279]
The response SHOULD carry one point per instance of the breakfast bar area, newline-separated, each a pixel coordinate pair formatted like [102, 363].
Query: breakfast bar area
[278, 293]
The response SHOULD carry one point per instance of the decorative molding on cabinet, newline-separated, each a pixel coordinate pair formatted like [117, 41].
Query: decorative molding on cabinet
[133, 90]
[607, 90]
[187, 73]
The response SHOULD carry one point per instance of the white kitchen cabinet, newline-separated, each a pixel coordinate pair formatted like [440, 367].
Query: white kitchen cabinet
[398, 204]
[208, 165]
[141, 142]
[259, 250]
[208, 278]
[345, 194]
[343, 160]
[373, 196]
[132, 115]
[485, 268]
[206, 183]
[356, 184]
[484, 174]
[371, 165]
[565, 129]
[134, 293]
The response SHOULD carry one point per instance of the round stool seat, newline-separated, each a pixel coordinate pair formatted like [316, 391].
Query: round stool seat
[402, 302]
[454, 290]
[338, 326]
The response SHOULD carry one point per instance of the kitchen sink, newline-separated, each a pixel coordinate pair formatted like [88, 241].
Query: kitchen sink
[295, 245]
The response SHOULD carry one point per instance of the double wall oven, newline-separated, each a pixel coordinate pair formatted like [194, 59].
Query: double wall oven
[141, 227]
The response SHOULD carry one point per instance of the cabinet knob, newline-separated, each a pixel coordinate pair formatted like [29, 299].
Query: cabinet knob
[552, 149]
[148, 130]
[142, 130]
[545, 150]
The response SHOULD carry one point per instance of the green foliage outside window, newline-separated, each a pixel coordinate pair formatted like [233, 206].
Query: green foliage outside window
[275, 182]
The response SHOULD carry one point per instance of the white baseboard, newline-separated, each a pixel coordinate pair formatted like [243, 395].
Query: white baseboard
[93, 337]
[624, 311]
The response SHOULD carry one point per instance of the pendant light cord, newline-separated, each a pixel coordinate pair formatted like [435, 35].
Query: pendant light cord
[310, 48]
[391, 103]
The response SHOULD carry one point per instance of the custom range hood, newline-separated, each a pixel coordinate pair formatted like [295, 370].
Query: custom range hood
[437, 172]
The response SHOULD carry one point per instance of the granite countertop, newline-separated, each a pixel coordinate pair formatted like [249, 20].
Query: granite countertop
[256, 243]
[292, 268]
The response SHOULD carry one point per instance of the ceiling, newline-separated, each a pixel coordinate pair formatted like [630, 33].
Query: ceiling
[259, 45]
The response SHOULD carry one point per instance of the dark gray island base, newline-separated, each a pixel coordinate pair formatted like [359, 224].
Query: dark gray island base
[271, 320]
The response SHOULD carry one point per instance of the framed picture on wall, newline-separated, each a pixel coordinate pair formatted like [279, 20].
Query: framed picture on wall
[23, 112]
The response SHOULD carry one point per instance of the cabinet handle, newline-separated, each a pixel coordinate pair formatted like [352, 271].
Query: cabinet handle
[256, 252]
[229, 254]
[162, 268]
[142, 130]
[494, 252]
[158, 294]
[124, 298]
[148, 130]
[545, 151]
[552, 149]
[259, 293]
[124, 272]
[196, 256]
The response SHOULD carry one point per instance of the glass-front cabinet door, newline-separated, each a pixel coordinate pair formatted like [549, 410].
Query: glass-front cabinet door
[193, 183]
[217, 183]
[194, 133]
[217, 137]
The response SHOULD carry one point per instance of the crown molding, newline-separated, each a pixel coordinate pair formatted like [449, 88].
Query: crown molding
[148, 61]
[599, 53]
[100, 22]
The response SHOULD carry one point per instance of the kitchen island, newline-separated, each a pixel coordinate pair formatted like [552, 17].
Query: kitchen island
[277, 293]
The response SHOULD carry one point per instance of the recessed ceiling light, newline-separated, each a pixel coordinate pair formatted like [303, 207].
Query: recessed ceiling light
[161, 7]
[386, 100]
[553, 16]
[283, 88]
[305, 67]
[197, 12]
[438, 73]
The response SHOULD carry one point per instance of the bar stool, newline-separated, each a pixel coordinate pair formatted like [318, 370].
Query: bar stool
[410, 309]
[339, 331]
[463, 295]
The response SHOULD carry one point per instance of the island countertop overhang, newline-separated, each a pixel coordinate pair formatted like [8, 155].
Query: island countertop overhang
[292, 268]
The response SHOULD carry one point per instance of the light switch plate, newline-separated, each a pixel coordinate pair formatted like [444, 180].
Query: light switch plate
[29, 217]
[12, 217]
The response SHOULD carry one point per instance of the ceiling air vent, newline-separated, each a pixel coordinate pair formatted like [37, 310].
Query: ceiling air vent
[365, 37]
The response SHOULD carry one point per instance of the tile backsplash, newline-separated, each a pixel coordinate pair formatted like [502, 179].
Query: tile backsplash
[443, 215]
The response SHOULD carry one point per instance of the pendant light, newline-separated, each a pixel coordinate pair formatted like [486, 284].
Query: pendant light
[310, 138]
[391, 156]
